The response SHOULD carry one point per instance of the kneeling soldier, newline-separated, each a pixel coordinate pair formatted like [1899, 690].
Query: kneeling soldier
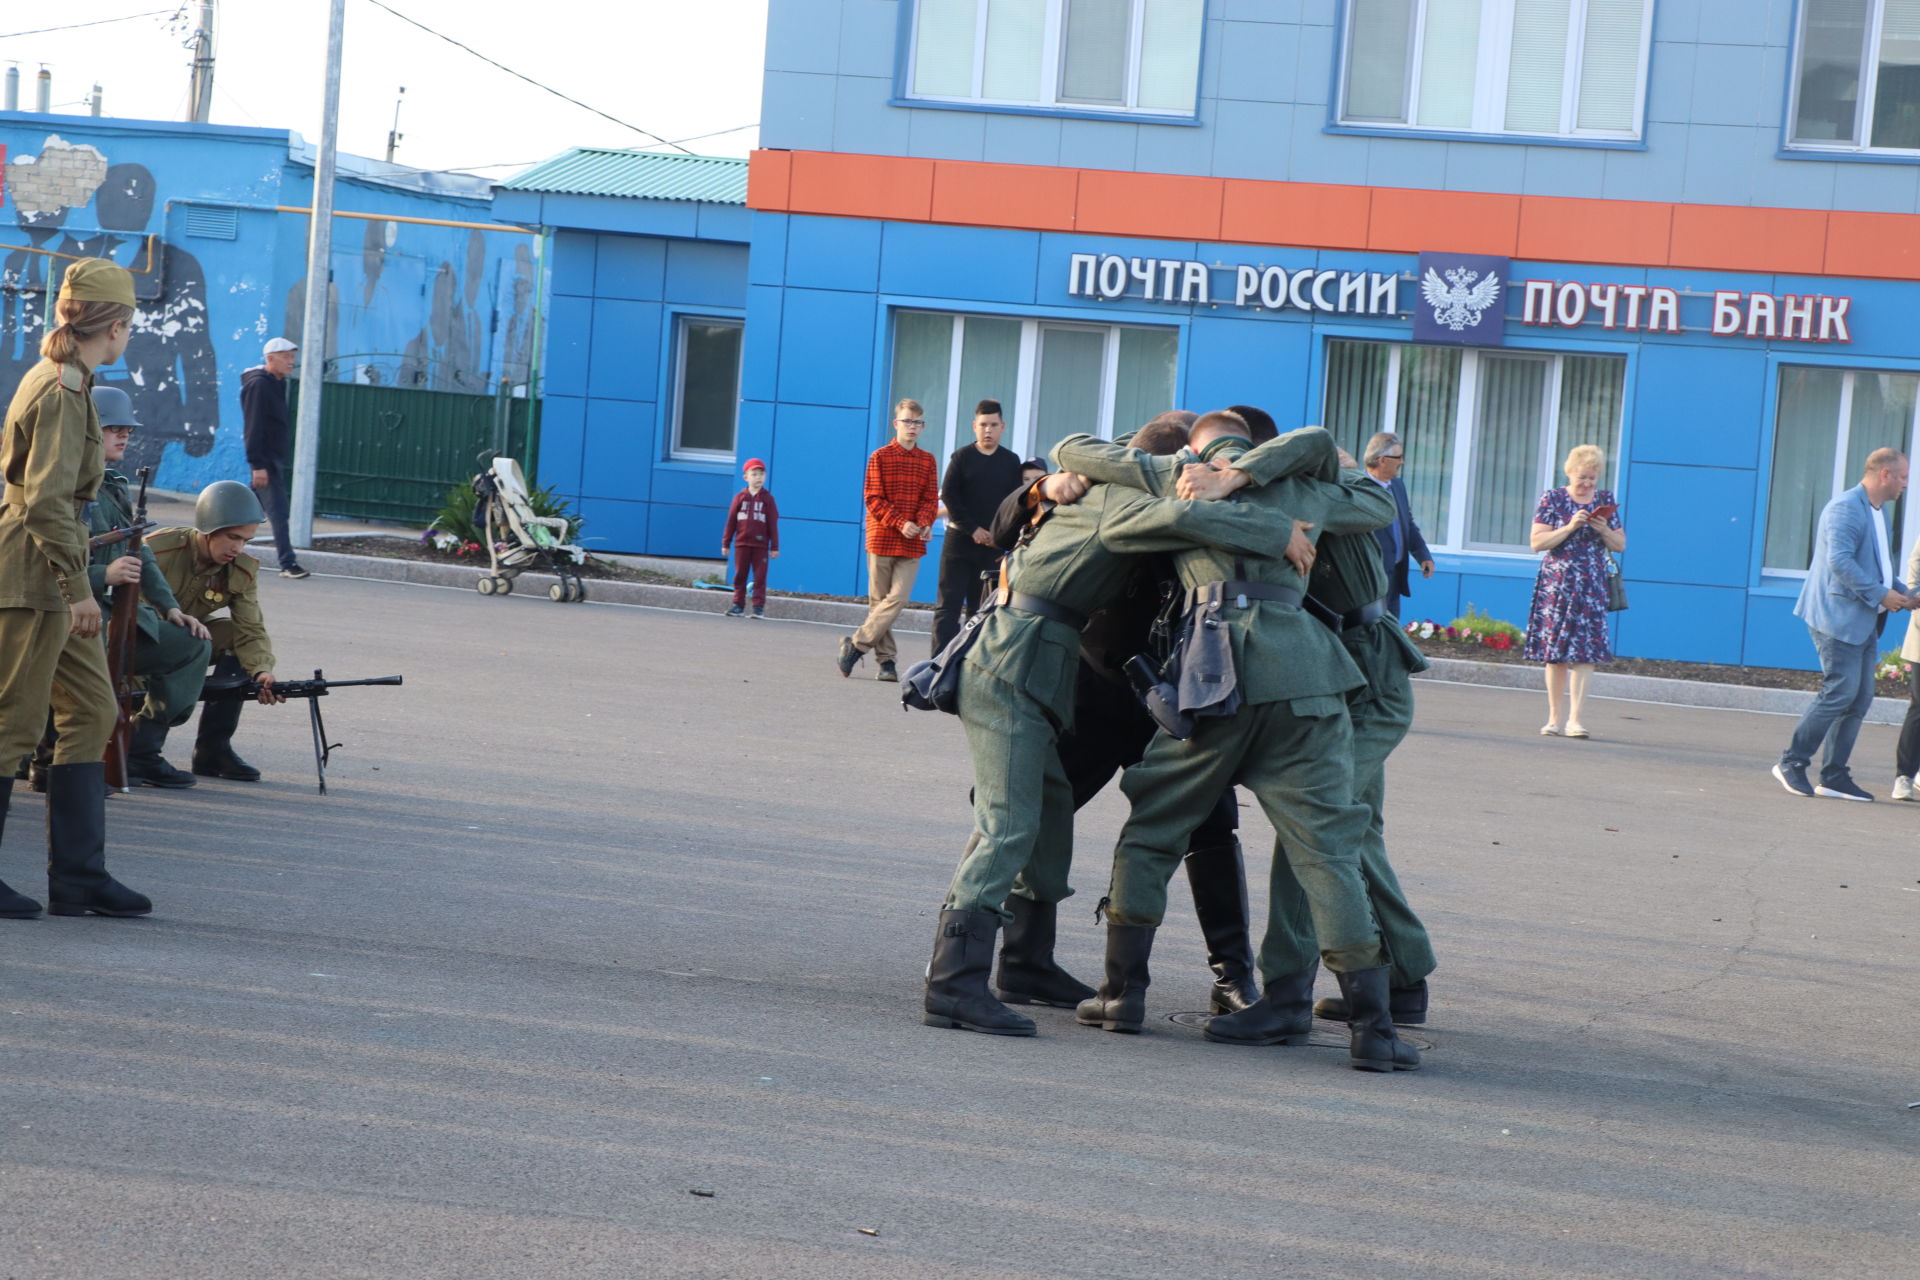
[173, 649]
[210, 573]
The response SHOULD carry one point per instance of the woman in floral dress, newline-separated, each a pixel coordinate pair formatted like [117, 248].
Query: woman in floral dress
[1567, 625]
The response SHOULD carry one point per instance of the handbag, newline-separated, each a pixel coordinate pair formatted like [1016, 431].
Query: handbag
[933, 684]
[1616, 589]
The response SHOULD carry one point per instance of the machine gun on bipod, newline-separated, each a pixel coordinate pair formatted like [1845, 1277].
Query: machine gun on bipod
[313, 690]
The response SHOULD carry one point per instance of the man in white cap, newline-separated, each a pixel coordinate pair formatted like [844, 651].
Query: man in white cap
[263, 407]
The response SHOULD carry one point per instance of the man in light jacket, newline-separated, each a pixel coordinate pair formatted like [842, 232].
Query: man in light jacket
[1850, 589]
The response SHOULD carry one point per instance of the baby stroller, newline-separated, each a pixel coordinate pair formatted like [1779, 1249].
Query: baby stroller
[519, 540]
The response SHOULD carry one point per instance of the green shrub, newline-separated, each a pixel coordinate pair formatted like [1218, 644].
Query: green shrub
[459, 514]
[1483, 623]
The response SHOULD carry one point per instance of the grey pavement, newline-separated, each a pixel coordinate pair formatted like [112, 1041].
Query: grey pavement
[610, 905]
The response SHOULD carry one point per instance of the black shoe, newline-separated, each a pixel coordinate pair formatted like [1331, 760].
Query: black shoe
[888, 674]
[1794, 778]
[1371, 1044]
[294, 571]
[1282, 1015]
[759, 611]
[957, 994]
[213, 755]
[849, 656]
[1121, 1002]
[1843, 788]
[1406, 1005]
[146, 766]
[736, 612]
[1028, 974]
[1219, 882]
[37, 778]
[13, 906]
[77, 879]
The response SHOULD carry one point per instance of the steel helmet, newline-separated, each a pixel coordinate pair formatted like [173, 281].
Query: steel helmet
[115, 407]
[224, 504]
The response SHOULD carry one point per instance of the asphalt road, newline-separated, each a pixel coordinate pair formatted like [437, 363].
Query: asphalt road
[609, 906]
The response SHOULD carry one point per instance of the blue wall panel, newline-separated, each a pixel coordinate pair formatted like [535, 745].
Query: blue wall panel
[618, 449]
[1244, 362]
[1698, 406]
[760, 344]
[1775, 638]
[1436, 599]
[999, 266]
[1506, 598]
[626, 350]
[629, 267]
[1689, 525]
[694, 532]
[754, 436]
[613, 525]
[822, 557]
[563, 427]
[819, 461]
[569, 332]
[767, 262]
[827, 355]
[1681, 623]
[572, 263]
[712, 275]
[833, 253]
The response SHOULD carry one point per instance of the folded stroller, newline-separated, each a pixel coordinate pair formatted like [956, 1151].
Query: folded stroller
[519, 540]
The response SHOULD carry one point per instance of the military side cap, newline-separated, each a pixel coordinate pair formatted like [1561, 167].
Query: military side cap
[97, 280]
[115, 407]
[224, 504]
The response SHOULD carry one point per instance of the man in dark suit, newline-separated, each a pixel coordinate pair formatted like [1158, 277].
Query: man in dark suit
[1400, 542]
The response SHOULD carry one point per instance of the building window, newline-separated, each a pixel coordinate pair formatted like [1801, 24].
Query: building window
[1825, 424]
[1857, 76]
[1485, 431]
[706, 387]
[1051, 378]
[1554, 68]
[1133, 56]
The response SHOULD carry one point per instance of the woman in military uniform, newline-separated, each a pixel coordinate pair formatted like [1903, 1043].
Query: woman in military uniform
[50, 649]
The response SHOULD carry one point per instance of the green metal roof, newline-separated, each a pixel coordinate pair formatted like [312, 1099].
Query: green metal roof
[649, 175]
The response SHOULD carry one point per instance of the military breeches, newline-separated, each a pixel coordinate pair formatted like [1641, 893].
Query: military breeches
[1110, 733]
[1022, 805]
[1299, 767]
[172, 666]
[42, 664]
[1380, 723]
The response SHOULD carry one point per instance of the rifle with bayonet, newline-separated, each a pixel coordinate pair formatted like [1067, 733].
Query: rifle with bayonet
[123, 630]
[313, 690]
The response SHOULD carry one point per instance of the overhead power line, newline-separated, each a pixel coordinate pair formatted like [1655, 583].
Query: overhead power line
[100, 22]
[519, 75]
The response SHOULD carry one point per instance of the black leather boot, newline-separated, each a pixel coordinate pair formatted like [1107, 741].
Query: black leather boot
[1219, 881]
[1406, 1005]
[1121, 1002]
[1282, 1015]
[77, 879]
[145, 765]
[13, 906]
[957, 994]
[213, 755]
[1028, 974]
[1371, 1044]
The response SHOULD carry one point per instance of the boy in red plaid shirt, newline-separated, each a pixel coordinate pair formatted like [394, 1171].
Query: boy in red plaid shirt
[902, 494]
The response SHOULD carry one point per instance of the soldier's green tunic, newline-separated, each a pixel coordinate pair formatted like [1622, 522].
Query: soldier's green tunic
[171, 662]
[1016, 685]
[1291, 742]
[206, 590]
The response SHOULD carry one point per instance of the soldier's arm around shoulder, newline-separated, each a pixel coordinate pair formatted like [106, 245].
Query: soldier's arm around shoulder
[1105, 462]
[1357, 504]
[1309, 451]
[1133, 523]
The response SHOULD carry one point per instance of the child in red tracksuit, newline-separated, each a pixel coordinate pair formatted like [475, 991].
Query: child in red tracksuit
[753, 533]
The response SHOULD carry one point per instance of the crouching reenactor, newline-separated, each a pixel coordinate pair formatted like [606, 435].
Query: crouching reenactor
[211, 574]
[172, 650]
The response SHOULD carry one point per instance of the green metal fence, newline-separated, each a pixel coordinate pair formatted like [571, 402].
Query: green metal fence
[391, 454]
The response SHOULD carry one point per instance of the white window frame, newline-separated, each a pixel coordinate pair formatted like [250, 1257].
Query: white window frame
[1864, 101]
[1898, 540]
[1053, 61]
[1491, 75]
[676, 449]
[1466, 428]
[1020, 407]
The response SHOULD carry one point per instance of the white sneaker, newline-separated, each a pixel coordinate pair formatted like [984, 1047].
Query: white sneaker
[1903, 788]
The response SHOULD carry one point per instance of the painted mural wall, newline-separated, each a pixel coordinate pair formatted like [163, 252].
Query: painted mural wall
[190, 209]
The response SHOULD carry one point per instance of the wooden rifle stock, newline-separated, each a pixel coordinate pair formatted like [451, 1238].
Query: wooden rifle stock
[123, 630]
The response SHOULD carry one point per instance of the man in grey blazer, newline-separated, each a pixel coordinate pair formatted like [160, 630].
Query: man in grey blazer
[1400, 542]
[1849, 591]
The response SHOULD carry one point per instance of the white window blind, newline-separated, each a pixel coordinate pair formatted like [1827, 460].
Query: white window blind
[943, 48]
[1016, 39]
[1131, 56]
[1826, 422]
[1098, 32]
[1537, 66]
[1610, 65]
[1170, 53]
[1449, 63]
[1380, 34]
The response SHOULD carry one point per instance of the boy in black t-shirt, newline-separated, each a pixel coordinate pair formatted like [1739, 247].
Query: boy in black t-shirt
[979, 476]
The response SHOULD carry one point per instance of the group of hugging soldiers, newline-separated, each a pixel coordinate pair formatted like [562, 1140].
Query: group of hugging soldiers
[1241, 566]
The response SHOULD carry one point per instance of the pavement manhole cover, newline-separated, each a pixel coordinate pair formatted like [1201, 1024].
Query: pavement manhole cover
[1326, 1035]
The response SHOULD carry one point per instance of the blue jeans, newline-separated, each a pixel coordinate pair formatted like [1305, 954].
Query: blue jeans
[273, 497]
[1846, 691]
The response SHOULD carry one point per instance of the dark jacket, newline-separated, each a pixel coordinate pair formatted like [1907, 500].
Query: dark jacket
[1413, 547]
[263, 408]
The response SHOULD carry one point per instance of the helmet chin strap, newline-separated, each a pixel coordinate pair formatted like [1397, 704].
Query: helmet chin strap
[1219, 443]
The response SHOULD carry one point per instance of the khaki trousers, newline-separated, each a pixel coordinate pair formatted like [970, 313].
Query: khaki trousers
[889, 584]
[42, 664]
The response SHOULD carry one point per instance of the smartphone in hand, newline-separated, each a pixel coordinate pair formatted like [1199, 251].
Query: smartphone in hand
[1605, 512]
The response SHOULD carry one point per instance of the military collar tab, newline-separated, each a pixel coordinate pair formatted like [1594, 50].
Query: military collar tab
[1221, 443]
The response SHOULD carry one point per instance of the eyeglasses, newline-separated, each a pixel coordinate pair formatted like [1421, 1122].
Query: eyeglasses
[1391, 457]
[911, 422]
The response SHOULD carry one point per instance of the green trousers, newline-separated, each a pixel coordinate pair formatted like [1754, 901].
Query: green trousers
[1295, 758]
[171, 666]
[1380, 723]
[1022, 803]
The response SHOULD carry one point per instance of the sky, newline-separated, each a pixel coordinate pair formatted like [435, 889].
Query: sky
[676, 68]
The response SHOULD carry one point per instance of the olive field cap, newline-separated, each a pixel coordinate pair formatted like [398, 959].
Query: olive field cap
[115, 407]
[97, 280]
[224, 504]
[276, 345]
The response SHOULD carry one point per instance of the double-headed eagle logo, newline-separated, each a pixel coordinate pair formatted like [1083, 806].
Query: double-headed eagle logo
[1457, 301]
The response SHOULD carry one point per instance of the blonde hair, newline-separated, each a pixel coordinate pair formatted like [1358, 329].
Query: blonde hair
[910, 406]
[1585, 455]
[78, 322]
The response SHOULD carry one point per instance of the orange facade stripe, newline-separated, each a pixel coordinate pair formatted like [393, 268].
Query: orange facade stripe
[1309, 215]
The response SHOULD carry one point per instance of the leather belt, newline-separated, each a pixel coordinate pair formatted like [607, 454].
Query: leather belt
[1240, 594]
[1363, 615]
[1042, 607]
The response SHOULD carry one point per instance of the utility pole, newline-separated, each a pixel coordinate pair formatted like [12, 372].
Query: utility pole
[394, 135]
[200, 98]
[313, 329]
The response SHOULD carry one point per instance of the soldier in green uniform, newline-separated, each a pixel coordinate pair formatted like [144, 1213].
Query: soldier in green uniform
[211, 574]
[172, 650]
[1268, 683]
[50, 650]
[1016, 694]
